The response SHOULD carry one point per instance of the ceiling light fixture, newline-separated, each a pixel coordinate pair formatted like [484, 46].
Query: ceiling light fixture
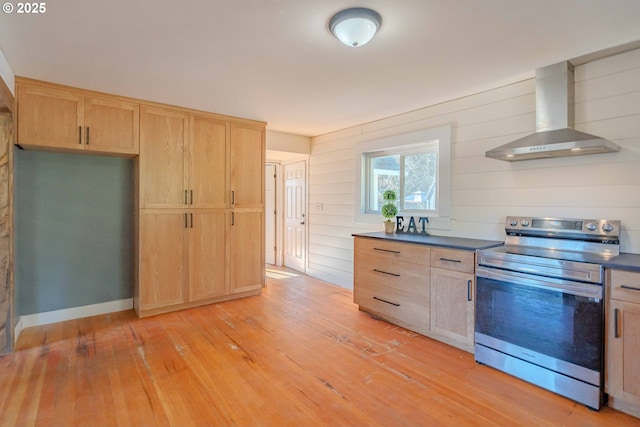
[356, 26]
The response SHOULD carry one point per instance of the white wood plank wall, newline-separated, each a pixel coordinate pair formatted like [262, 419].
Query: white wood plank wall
[484, 191]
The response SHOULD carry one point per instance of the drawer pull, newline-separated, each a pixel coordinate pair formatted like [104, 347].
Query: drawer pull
[616, 325]
[450, 260]
[386, 250]
[386, 272]
[630, 288]
[385, 301]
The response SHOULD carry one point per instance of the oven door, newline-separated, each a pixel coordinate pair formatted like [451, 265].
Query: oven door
[553, 323]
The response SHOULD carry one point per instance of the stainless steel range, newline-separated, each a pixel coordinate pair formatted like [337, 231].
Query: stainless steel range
[539, 304]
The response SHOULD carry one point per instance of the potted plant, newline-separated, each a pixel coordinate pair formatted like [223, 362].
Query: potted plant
[389, 210]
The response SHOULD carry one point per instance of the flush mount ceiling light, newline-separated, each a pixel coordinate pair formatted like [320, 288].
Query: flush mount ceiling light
[356, 26]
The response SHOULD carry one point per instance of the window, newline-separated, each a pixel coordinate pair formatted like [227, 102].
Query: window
[411, 173]
[417, 166]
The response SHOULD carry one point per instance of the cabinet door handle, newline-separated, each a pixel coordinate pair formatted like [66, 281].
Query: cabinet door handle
[468, 290]
[191, 219]
[630, 288]
[191, 197]
[186, 221]
[233, 218]
[185, 197]
[233, 197]
[80, 135]
[616, 324]
[386, 272]
[87, 142]
[386, 250]
[450, 260]
[387, 302]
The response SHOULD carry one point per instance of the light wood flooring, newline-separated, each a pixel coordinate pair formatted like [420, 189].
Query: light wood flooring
[300, 354]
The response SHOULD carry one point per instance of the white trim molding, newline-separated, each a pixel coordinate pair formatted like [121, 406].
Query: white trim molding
[39, 319]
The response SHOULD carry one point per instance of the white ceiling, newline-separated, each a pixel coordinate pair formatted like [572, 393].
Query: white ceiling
[275, 60]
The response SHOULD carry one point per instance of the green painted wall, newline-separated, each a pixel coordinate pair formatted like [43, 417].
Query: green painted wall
[73, 230]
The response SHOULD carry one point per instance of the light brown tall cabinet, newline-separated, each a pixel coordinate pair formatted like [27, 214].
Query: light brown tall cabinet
[201, 196]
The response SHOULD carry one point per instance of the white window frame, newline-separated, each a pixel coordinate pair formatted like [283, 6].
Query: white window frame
[438, 219]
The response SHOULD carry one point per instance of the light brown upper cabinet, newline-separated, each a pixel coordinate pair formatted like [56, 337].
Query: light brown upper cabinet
[183, 160]
[247, 165]
[163, 171]
[207, 162]
[54, 118]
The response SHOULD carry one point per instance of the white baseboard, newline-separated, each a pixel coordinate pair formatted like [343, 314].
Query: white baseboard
[48, 317]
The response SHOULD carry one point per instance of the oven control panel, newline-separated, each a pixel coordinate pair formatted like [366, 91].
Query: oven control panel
[558, 227]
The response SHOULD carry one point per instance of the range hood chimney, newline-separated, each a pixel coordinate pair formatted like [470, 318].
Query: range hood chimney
[555, 136]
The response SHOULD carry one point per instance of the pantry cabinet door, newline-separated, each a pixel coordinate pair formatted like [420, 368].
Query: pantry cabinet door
[163, 259]
[208, 163]
[207, 247]
[247, 165]
[163, 174]
[246, 251]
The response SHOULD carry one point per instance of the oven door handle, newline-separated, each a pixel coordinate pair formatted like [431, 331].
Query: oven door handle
[540, 282]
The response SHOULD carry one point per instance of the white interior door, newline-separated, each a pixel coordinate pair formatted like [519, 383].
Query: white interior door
[295, 241]
[270, 214]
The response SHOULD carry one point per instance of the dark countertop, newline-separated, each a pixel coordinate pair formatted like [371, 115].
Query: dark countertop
[630, 262]
[441, 241]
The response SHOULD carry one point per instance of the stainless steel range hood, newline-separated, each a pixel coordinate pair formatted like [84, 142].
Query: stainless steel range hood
[554, 135]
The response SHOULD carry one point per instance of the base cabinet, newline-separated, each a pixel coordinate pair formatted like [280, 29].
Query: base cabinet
[452, 296]
[623, 341]
[452, 310]
[391, 280]
[427, 289]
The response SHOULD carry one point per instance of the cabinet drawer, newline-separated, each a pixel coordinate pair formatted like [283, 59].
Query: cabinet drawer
[389, 250]
[452, 259]
[400, 275]
[410, 310]
[625, 286]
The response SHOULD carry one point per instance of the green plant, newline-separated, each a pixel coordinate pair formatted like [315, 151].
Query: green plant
[389, 209]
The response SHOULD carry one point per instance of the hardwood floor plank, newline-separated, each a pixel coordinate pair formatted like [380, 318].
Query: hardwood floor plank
[300, 354]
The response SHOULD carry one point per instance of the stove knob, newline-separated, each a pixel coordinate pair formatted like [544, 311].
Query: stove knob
[591, 226]
[514, 222]
[525, 223]
[607, 228]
